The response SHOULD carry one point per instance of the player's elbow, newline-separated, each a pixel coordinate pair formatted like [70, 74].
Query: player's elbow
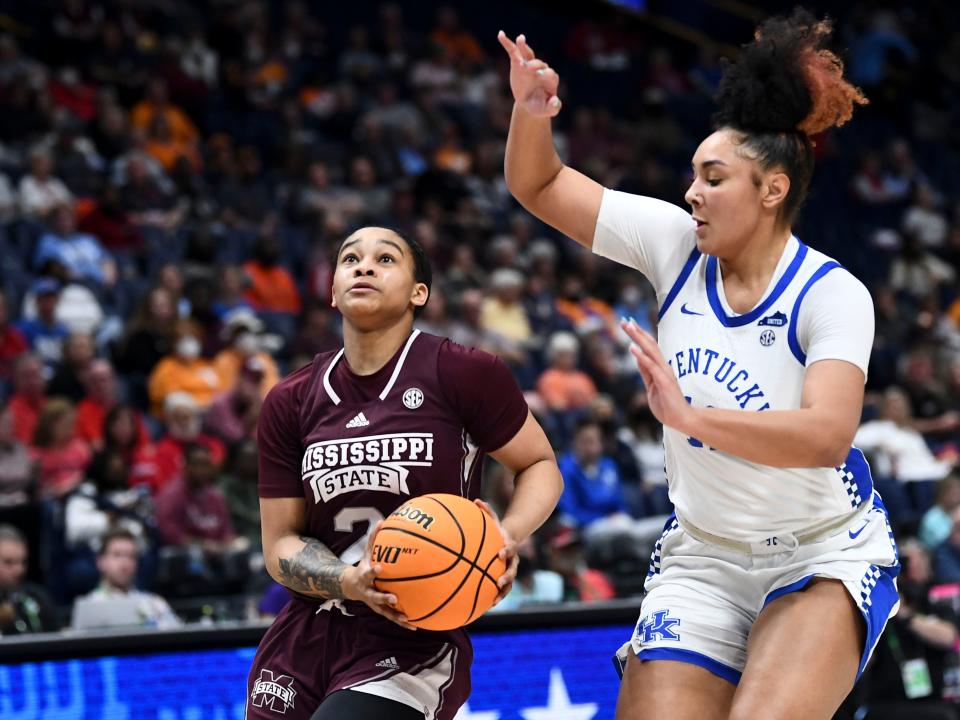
[833, 449]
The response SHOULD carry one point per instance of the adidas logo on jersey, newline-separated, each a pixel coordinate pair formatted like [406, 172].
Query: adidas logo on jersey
[359, 421]
[390, 662]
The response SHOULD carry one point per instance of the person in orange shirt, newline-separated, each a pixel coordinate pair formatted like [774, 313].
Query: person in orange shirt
[29, 395]
[272, 287]
[157, 102]
[101, 398]
[562, 386]
[583, 311]
[457, 41]
[241, 331]
[184, 370]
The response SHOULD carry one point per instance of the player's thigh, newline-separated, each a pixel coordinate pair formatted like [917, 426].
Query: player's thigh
[355, 705]
[658, 689]
[802, 655]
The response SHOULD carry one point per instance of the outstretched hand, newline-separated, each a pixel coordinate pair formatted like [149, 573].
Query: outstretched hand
[664, 395]
[534, 83]
[357, 584]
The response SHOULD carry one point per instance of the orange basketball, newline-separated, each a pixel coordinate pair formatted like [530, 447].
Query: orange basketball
[438, 555]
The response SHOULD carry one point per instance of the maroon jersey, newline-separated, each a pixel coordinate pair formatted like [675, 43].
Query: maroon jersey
[356, 447]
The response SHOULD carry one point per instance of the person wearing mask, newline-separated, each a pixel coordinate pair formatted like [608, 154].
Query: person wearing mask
[184, 371]
[242, 330]
[24, 607]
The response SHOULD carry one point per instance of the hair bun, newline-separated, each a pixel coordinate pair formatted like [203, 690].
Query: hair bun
[786, 80]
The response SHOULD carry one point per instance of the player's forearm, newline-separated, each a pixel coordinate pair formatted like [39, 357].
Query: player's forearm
[536, 492]
[778, 438]
[306, 565]
[531, 162]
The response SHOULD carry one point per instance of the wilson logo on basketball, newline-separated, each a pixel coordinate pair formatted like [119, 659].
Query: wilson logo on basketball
[414, 515]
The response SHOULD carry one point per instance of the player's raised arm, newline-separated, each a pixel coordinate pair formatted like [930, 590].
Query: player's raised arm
[560, 196]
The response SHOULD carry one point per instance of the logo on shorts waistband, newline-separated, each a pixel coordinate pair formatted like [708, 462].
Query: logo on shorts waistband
[273, 692]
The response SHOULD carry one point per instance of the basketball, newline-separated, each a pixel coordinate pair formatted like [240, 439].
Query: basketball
[438, 555]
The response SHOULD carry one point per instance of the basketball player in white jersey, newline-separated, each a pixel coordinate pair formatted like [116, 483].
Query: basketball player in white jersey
[770, 587]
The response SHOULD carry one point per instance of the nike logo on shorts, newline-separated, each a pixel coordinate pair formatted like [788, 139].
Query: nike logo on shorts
[683, 309]
[853, 535]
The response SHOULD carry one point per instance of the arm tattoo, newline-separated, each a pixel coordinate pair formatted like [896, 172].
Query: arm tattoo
[313, 570]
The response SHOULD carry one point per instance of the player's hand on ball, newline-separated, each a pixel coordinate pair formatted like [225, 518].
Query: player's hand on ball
[508, 554]
[664, 395]
[357, 584]
[533, 83]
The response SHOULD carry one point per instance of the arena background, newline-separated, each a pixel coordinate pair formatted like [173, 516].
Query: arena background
[203, 160]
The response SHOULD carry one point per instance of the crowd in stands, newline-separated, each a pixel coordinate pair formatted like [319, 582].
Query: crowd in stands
[175, 178]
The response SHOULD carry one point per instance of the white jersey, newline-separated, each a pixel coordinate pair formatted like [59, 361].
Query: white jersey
[812, 310]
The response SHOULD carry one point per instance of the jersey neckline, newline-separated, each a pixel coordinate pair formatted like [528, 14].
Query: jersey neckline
[717, 304]
[390, 383]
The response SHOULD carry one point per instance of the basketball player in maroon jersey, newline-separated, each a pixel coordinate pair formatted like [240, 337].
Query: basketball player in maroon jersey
[344, 441]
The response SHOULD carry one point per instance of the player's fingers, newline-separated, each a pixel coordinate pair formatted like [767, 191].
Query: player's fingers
[371, 538]
[483, 505]
[504, 591]
[511, 47]
[553, 105]
[641, 359]
[525, 50]
[631, 329]
[390, 614]
[536, 66]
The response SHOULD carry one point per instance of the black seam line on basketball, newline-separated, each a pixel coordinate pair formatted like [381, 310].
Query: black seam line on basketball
[463, 536]
[476, 595]
[473, 566]
[459, 556]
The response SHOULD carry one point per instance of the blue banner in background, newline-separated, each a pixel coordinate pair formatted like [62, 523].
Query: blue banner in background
[562, 674]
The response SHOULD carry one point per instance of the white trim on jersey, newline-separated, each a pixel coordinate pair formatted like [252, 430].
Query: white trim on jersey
[326, 378]
[469, 459]
[393, 378]
[396, 370]
[422, 687]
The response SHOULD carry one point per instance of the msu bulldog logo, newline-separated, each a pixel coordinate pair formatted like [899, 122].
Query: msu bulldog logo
[377, 462]
[273, 693]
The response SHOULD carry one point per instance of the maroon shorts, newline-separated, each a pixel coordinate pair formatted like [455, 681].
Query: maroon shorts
[313, 650]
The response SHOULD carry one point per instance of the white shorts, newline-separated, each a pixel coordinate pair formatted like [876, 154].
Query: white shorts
[702, 599]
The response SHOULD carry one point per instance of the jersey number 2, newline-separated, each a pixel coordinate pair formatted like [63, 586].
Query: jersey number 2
[345, 521]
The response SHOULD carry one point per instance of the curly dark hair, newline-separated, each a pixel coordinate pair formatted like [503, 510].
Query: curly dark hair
[784, 87]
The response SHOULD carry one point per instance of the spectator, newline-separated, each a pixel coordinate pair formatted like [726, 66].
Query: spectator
[117, 563]
[580, 582]
[534, 585]
[18, 479]
[12, 344]
[233, 416]
[100, 399]
[156, 104]
[239, 486]
[923, 221]
[45, 332]
[272, 287]
[901, 458]
[593, 498]
[241, 332]
[502, 312]
[946, 557]
[61, 457]
[29, 396]
[938, 520]
[184, 371]
[562, 385]
[195, 524]
[24, 607]
[318, 332]
[40, 192]
[81, 255]
[230, 295]
[165, 460]
[150, 334]
[69, 378]
[920, 633]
